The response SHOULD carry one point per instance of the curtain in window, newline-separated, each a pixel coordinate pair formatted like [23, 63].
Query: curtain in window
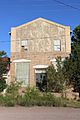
[22, 72]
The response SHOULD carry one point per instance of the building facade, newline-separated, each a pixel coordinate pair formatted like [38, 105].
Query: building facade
[34, 46]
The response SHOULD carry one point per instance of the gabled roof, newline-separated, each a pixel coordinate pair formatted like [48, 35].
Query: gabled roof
[45, 20]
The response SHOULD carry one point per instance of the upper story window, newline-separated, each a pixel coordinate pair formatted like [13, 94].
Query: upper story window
[57, 45]
[24, 43]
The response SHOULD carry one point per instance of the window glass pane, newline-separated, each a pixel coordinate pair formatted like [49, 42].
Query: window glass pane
[22, 72]
[57, 45]
[57, 48]
[56, 42]
[24, 42]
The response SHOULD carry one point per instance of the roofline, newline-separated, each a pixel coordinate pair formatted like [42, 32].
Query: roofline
[51, 22]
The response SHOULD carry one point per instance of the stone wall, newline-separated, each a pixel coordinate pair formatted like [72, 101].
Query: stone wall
[40, 35]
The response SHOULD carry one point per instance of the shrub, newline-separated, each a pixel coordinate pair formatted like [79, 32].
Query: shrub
[12, 93]
[9, 101]
[13, 88]
[60, 102]
[1, 100]
[47, 99]
[3, 84]
[30, 97]
[33, 97]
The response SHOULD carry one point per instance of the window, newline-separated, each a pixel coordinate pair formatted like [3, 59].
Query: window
[22, 72]
[57, 45]
[24, 43]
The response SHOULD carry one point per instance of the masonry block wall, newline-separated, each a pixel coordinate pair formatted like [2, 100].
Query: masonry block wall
[40, 35]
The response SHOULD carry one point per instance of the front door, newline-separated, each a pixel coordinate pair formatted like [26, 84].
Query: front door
[41, 80]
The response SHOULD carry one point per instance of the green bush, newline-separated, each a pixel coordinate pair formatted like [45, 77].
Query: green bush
[47, 99]
[73, 103]
[12, 93]
[1, 100]
[3, 84]
[33, 97]
[30, 97]
[60, 102]
[13, 88]
[9, 101]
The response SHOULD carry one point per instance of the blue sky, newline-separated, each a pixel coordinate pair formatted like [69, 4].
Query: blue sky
[17, 12]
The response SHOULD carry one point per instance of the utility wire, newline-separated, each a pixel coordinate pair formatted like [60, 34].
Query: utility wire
[33, 38]
[67, 5]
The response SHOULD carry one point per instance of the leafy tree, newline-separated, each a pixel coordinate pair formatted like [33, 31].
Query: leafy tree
[61, 81]
[68, 70]
[75, 46]
[75, 56]
[51, 78]
[55, 76]
[3, 68]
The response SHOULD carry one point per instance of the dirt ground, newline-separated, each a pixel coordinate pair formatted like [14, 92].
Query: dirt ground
[39, 113]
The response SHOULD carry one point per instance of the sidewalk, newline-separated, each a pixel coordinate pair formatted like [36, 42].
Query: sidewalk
[39, 113]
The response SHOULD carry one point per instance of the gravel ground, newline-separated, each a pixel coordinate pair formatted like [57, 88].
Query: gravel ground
[39, 113]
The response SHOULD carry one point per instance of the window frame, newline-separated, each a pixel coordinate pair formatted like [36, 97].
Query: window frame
[24, 43]
[57, 45]
[28, 78]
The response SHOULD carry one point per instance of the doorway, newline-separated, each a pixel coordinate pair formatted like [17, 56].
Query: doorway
[41, 80]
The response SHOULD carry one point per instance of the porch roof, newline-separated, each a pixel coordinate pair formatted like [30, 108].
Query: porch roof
[40, 66]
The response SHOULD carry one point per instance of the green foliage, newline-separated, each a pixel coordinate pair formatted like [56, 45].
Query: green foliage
[68, 70]
[56, 78]
[1, 100]
[72, 103]
[33, 97]
[2, 54]
[13, 89]
[12, 93]
[51, 78]
[60, 75]
[76, 33]
[3, 63]
[3, 84]
[76, 59]
[9, 101]
[76, 77]
[3, 66]
[76, 43]
[30, 97]
[46, 99]
[71, 66]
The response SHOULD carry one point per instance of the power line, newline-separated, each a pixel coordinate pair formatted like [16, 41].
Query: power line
[66, 5]
[32, 39]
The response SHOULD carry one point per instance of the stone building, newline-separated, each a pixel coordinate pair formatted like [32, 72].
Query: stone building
[34, 46]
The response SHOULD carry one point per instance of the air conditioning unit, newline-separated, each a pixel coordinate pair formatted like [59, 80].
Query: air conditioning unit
[25, 48]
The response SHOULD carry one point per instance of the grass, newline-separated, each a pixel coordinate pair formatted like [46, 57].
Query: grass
[33, 97]
[73, 103]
